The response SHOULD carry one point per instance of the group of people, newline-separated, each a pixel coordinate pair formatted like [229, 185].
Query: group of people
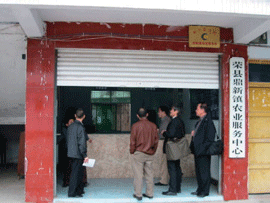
[144, 141]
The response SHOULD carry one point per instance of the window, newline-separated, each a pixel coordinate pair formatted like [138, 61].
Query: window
[262, 39]
[259, 71]
[111, 111]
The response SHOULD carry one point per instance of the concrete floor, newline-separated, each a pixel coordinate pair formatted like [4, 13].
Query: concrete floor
[121, 190]
[110, 190]
[12, 189]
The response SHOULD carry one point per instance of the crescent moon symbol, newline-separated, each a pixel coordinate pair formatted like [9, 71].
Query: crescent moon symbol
[204, 36]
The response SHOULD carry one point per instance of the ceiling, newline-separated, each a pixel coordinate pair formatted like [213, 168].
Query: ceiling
[31, 18]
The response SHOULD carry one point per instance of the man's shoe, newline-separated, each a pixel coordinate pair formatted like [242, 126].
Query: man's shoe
[138, 198]
[160, 184]
[83, 192]
[179, 191]
[145, 195]
[86, 184]
[64, 185]
[169, 193]
[202, 195]
[75, 195]
[194, 193]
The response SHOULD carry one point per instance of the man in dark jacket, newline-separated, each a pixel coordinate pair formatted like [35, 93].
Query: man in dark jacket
[175, 131]
[64, 161]
[143, 146]
[77, 152]
[203, 136]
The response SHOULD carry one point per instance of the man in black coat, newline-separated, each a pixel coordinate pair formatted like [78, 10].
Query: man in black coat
[64, 162]
[175, 130]
[203, 136]
[77, 152]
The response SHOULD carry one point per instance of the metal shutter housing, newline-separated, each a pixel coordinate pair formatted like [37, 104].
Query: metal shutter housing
[137, 68]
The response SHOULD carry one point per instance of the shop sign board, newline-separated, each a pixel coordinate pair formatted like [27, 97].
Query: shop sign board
[237, 147]
[204, 36]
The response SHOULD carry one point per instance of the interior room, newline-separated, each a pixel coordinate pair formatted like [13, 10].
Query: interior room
[110, 112]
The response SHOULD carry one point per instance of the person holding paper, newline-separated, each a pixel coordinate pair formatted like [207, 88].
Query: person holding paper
[143, 146]
[77, 152]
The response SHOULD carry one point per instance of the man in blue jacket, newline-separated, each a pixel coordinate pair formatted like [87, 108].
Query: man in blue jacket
[203, 136]
[77, 152]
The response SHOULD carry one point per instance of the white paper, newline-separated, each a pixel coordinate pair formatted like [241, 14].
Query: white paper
[90, 163]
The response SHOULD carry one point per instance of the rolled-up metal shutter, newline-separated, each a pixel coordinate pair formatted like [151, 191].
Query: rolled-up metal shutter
[137, 68]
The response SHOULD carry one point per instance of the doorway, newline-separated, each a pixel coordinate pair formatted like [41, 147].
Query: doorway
[153, 78]
[12, 142]
[259, 137]
[112, 172]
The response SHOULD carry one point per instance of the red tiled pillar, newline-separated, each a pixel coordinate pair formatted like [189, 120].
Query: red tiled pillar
[234, 171]
[39, 137]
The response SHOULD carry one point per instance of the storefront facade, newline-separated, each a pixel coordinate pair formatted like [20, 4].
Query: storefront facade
[41, 86]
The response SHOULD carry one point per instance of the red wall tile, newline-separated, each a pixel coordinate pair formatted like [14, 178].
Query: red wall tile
[236, 169]
[40, 102]
[40, 72]
[235, 185]
[39, 188]
[65, 30]
[39, 139]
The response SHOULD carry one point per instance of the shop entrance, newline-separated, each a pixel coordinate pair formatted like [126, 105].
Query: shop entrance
[112, 176]
[259, 137]
[98, 78]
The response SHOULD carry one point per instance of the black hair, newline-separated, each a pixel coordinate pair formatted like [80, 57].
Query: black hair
[177, 108]
[79, 113]
[204, 106]
[142, 112]
[164, 109]
[66, 120]
[69, 114]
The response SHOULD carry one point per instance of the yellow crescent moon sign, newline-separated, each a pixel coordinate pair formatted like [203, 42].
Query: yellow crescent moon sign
[204, 36]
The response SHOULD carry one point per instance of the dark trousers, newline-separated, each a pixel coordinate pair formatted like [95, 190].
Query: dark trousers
[84, 175]
[175, 173]
[76, 185]
[67, 172]
[202, 166]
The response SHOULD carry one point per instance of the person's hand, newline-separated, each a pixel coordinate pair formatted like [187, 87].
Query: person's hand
[90, 141]
[192, 133]
[85, 160]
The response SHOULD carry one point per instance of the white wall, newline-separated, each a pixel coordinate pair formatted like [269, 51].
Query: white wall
[259, 52]
[12, 74]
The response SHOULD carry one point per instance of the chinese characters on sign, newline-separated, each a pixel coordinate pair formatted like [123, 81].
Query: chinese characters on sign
[237, 148]
[204, 36]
